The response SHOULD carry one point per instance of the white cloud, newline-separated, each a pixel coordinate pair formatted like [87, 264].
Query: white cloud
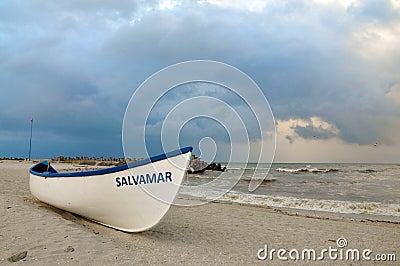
[168, 4]
[332, 149]
[341, 3]
[377, 42]
[394, 93]
[395, 4]
[313, 127]
[250, 5]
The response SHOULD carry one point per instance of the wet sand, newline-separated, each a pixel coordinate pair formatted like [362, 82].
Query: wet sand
[211, 234]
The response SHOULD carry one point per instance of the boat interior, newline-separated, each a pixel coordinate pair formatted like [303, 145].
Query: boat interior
[44, 167]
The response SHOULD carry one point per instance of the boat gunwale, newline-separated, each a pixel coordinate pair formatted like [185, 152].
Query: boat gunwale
[115, 169]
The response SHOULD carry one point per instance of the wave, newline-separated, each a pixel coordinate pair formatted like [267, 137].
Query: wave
[248, 168]
[265, 179]
[333, 206]
[366, 171]
[307, 170]
[316, 168]
[336, 206]
[202, 176]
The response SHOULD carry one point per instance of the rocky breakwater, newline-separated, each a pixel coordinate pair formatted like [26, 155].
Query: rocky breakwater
[197, 166]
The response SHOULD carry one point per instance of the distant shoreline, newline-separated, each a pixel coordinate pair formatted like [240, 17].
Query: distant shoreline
[81, 160]
[78, 159]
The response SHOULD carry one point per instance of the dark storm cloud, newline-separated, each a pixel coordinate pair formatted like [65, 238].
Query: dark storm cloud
[312, 132]
[375, 10]
[73, 65]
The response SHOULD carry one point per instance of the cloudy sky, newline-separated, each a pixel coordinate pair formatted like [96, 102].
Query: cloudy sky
[330, 70]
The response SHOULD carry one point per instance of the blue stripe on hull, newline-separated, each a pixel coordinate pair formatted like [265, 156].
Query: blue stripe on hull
[40, 169]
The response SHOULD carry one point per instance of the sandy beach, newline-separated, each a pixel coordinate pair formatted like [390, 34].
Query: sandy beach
[211, 234]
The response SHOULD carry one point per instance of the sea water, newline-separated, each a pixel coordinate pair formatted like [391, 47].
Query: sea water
[372, 189]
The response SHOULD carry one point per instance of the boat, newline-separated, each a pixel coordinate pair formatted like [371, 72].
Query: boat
[132, 197]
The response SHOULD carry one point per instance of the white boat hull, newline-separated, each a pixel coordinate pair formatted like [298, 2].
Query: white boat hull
[132, 199]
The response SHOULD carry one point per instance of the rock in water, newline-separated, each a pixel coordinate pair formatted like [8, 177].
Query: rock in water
[18, 256]
[196, 165]
[215, 167]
